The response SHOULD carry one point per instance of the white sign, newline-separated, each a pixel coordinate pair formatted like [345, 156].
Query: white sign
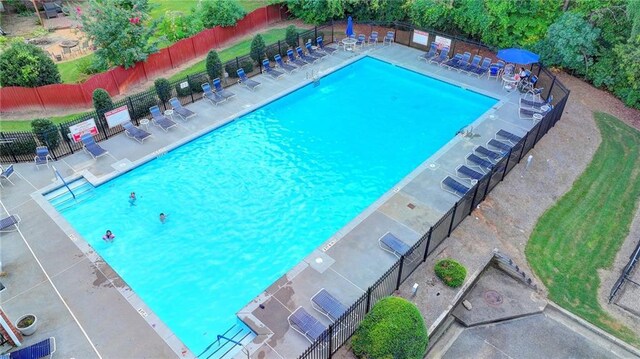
[443, 42]
[184, 85]
[420, 37]
[88, 126]
[118, 116]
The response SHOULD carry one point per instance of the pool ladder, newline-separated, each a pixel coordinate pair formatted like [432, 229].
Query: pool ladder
[313, 75]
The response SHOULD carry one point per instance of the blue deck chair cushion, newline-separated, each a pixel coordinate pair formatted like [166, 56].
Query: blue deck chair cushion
[479, 162]
[455, 187]
[251, 84]
[444, 55]
[271, 72]
[217, 85]
[183, 112]
[396, 246]
[328, 305]
[485, 152]
[326, 49]
[505, 148]
[306, 324]
[8, 222]
[508, 136]
[211, 96]
[466, 172]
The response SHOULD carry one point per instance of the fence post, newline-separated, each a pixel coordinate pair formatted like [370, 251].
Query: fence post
[400, 273]
[330, 340]
[453, 217]
[523, 143]
[368, 300]
[279, 48]
[65, 138]
[551, 87]
[506, 165]
[133, 110]
[426, 250]
[315, 35]
[190, 90]
[332, 35]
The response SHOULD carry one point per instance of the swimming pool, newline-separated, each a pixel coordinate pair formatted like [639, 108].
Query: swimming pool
[248, 201]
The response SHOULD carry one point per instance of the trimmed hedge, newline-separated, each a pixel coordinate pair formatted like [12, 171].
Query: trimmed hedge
[450, 272]
[394, 328]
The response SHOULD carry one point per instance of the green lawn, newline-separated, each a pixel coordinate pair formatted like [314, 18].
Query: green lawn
[163, 6]
[584, 230]
[25, 125]
[69, 69]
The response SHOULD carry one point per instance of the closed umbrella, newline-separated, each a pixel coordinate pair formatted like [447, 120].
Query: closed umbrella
[518, 56]
[349, 31]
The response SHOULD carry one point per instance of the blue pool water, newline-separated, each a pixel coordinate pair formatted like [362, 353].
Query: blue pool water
[248, 201]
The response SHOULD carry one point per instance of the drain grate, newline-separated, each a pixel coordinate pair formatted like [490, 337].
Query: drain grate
[493, 298]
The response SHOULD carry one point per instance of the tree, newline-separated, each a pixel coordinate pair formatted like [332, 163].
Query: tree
[291, 36]
[163, 89]
[27, 65]
[633, 12]
[121, 30]
[46, 132]
[318, 11]
[214, 65]
[220, 12]
[257, 48]
[570, 42]
[432, 14]
[629, 67]
[101, 102]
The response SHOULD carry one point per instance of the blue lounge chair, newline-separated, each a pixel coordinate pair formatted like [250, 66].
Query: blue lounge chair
[453, 62]
[286, 67]
[373, 38]
[494, 71]
[433, 51]
[462, 63]
[134, 132]
[478, 162]
[529, 114]
[487, 153]
[10, 223]
[297, 61]
[217, 85]
[91, 147]
[306, 324]
[181, 111]
[247, 82]
[312, 52]
[161, 120]
[43, 349]
[42, 156]
[269, 71]
[389, 38]
[303, 57]
[449, 184]
[360, 41]
[444, 56]
[213, 97]
[326, 49]
[468, 173]
[474, 65]
[505, 148]
[537, 105]
[510, 137]
[393, 245]
[5, 173]
[328, 305]
[483, 68]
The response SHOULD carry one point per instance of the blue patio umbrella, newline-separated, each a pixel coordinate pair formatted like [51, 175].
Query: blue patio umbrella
[349, 31]
[518, 56]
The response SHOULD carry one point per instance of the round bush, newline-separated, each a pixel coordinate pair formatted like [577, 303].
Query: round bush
[451, 272]
[214, 65]
[393, 329]
[163, 89]
[27, 65]
[46, 132]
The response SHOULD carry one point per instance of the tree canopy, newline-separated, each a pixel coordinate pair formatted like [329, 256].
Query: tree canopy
[27, 65]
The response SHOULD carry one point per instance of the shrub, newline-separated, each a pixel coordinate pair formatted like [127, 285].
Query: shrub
[231, 67]
[177, 25]
[394, 328]
[214, 65]
[27, 65]
[101, 102]
[182, 92]
[196, 81]
[451, 272]
[220, 12]
[141, 105]
[291, 36]
[87, 66]
[163, 89]
[46, 132]
[19, 147]
[257, 48]
[271, 51]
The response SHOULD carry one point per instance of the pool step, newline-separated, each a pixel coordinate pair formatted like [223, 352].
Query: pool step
[61, 199]
[225, 349]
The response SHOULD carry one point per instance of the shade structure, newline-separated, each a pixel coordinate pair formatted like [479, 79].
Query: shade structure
[518, 56]
[349, 30]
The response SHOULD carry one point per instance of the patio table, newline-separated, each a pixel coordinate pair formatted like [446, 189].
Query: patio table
[349, 43]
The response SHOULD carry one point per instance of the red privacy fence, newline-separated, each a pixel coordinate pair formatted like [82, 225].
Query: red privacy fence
[116, 81]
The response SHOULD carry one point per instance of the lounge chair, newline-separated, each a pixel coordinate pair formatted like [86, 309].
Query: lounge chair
[361, 40]
[213, 97]
[247, 82]
[433, 51]
[483, 68]
[42, 157]
[91, 147]
[269, 71]
[487, 153]
[479, 162]
[326, 49]
[389, 38]
[529, 114]
[373, 38]
[537, 105]
[134, 132]
[297, 61]
[314, 53]
[306, 324]
[328, 305]
[393, 245]
[5, 173]
[286, 67]
[161, 120]
[468, 173]
[308, 59]
[453, 62]
[43, 349]
[505, 148]
[462, 64]
[510, 137]
[217, 85]
[494, 71]
[442, 57]
[9, 222]
[474, 65]
[449, 184]
[181, 111]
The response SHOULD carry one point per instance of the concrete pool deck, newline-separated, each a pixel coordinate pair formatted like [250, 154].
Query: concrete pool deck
[52, 272]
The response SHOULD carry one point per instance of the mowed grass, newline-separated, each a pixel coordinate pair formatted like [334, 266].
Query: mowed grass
[69, 72]
[25, 125]
[583, 232]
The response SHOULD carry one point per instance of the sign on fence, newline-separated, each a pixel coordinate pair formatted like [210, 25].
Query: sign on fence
[420, 37]
[88, 126]
[443, 42]
[117, 116]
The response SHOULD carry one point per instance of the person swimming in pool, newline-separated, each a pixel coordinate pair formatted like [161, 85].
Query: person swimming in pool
[132, 199]
[163, 217]
[109, 236]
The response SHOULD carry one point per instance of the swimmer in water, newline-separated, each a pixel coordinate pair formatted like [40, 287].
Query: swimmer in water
[132, 199]
[108, 237]
[163, 217]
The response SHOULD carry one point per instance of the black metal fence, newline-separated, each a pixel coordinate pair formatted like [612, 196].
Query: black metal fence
[342, 329]
[626, 273]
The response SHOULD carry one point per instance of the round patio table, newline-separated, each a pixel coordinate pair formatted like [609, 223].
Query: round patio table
[68, 43]
[349, 43]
